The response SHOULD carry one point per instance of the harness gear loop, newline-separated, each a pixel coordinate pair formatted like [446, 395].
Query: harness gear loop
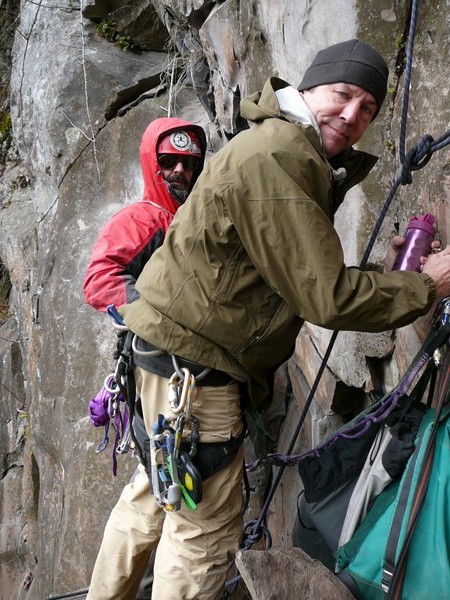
[158, 352]
[134, 348]
[120, 327]
[112, 406]
[126, 442]
[179, 370]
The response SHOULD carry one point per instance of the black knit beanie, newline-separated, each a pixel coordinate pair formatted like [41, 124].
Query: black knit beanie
[349, 62]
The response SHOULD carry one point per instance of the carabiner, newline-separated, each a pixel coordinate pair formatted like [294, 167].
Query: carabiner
[179, 400]
[108, 383]
[104, 442]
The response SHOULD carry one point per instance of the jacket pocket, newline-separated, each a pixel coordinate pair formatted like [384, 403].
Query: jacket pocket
[262, 332]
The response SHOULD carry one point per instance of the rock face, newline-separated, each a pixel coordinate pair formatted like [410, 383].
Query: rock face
[288, 573]
[86, 80]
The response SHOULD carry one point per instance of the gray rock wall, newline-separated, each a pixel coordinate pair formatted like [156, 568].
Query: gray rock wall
[79, 105]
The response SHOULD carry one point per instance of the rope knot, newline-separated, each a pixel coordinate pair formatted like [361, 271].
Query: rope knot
[417, 158]
[257, 531]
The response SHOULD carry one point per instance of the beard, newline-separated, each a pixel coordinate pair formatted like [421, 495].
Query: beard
[178, 188]
[178, 194]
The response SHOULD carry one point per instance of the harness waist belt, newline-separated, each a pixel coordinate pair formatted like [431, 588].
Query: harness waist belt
[163, 365]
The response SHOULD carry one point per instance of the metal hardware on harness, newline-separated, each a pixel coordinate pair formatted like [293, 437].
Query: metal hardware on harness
[156, 352]
[105, 411]
[108, 384]
[113, 380]
[181, 390]
[120, 327]
[168, 462]
[178, 435]
[437, 357]
[126, 441]
[441, 317]
[442, 312]
[165, 485]
[195, 435]
[386, 580]
[174, 476]
[105, 441]
[179, 370]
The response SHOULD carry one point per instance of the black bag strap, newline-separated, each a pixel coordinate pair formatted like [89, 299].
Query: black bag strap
[417, 393]
[394, 572]
[127, 384]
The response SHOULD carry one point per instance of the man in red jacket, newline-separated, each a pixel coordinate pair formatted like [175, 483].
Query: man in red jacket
[172, 154]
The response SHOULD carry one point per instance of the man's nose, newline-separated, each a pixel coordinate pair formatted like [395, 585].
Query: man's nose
[349, 112]
[178, 168]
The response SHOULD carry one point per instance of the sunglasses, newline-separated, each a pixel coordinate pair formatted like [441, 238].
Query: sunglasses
[170, 161]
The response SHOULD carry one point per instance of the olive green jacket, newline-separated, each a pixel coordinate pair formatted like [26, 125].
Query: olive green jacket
[253, 253]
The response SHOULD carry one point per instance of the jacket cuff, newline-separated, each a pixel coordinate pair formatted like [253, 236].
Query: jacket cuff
[429, 282]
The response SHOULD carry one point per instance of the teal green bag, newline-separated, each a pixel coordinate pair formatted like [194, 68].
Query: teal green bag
[401, 550]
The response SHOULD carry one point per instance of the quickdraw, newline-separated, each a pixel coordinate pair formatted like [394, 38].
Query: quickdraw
[173, 473]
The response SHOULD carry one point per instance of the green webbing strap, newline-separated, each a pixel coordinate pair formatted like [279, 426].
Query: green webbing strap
[394, 571]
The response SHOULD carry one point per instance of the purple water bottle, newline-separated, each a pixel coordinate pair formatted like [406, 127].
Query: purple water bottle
[419, 235]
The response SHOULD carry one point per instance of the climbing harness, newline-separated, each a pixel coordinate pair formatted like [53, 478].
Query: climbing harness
[415, 159]
[168, 462]
[175, 460]
[157, 352]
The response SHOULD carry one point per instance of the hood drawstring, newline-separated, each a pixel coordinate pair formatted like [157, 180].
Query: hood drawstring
[339, 174]
[169, 212]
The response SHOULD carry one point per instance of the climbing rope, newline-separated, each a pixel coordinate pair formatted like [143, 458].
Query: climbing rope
[416, 159]
[76, 594]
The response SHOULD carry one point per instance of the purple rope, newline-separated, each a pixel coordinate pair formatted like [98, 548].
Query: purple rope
[356, 429]
[105, 409]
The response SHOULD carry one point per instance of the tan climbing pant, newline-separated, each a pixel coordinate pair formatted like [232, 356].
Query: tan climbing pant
[194, 549]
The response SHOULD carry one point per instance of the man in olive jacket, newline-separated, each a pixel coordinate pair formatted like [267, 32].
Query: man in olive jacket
[250, 256]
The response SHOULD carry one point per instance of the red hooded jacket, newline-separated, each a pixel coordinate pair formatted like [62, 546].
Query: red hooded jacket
[131, 236]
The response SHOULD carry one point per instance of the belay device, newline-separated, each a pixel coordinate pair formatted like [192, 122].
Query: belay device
[173, 474]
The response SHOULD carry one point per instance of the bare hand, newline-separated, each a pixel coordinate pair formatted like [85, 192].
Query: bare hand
[396, 244]
[437, 266]
[392, 251]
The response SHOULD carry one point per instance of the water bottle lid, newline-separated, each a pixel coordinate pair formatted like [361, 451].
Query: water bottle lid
[424, 222]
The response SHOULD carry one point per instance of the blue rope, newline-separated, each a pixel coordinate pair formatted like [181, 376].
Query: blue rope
[409, 56]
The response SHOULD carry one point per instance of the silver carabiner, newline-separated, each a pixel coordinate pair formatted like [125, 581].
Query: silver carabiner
[178, 400]
[109, 381]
